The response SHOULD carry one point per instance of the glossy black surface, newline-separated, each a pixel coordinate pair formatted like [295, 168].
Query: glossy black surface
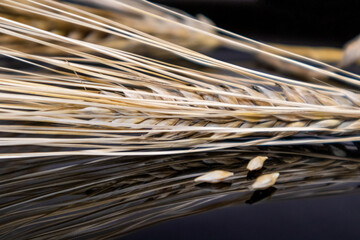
[101, 197]
[333, 217]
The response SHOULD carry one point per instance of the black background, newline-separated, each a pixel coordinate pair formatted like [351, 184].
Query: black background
[327, 23]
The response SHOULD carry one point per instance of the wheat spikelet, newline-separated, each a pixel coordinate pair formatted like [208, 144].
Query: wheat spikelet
[100, 100]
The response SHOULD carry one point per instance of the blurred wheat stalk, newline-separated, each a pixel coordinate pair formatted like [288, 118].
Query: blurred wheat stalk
[76, 85]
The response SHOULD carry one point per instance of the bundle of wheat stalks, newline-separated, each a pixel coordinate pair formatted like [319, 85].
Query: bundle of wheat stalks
[76, 85]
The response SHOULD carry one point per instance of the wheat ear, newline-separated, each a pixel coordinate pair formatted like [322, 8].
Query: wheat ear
[112, 102]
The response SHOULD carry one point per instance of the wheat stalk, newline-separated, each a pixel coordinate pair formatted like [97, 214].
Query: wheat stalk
[99, 100]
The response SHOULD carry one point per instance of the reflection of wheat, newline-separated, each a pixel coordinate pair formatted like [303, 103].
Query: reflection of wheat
[86, 197]
[105, 101]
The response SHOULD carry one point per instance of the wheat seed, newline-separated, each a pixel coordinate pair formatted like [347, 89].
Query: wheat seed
[265, 181]
[214, 176]
[256, 163]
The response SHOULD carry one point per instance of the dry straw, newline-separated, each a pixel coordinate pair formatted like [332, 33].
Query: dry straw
[80, 95]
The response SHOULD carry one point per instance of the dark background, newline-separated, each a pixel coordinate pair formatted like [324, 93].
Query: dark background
[317, 23]
[328, 218]
[311, 22]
